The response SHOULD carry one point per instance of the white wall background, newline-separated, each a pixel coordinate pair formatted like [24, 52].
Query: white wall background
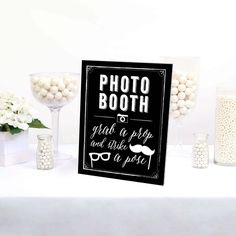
[50, 35]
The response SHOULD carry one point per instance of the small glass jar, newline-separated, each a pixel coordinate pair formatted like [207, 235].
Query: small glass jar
[225, 126]
[44, 156]
[200, 151]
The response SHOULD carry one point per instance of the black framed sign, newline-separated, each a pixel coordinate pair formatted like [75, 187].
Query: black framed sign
[124, 120]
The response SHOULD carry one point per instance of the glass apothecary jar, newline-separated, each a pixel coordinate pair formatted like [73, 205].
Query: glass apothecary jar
[225, 126]
[44, 155]
[200, 151]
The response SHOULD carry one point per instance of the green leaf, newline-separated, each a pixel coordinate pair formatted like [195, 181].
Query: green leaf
[14, 130]
[36, 123]
[5, 128]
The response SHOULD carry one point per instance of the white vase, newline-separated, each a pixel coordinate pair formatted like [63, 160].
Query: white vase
[13, 148]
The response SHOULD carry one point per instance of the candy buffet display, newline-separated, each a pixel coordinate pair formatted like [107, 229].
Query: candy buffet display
[55, 90]
[225, 127]
[200, 154]
[44, 156]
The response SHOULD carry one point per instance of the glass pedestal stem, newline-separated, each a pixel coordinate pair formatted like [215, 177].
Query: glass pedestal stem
[55, 128]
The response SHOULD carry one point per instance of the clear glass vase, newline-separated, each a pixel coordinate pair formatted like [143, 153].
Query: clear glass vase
[200, 158]
[44, 155]
[225, 126]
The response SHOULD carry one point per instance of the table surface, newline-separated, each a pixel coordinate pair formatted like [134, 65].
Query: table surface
[181, 180]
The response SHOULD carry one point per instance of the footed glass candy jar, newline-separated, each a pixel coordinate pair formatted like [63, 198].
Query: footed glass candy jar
[225, 126]
[55, 90]
[44, 156]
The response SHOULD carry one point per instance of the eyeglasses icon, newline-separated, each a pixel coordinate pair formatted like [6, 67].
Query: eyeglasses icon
[94, 156]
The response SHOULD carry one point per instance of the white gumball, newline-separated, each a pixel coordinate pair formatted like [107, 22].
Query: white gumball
[183, 110]
[175, 83]
[188, 91]
[181, 95]
[181, 87]
[67, 80]
[181, 103]
[189, 104]
[54, 89]
[182, 79]
[54, 82]
[174, 91]
[176, 113]
[61, 86]
[189, 83]
[65, 92]
[36, 88]
[70, 87]
[43, 92]
[50, 96]
[58, 96]
[174, 106]
[174, 98]
[41, 82]
[47, 85]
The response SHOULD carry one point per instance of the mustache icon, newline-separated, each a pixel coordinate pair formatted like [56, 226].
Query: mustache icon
[143, 149]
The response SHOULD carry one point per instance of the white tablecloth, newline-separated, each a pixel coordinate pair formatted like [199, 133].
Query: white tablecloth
[61, 202]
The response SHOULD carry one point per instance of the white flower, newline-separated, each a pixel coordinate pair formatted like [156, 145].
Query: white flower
[15, 111]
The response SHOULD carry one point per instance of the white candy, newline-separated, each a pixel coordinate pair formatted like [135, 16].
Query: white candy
[182, 79]
[54, 82]
[174, 106]
[188, 91]
[183, 110]
[174, 91]
[65, 92]
[43, 92]
[50, 96]
[174, 98]
[189, 104]
[181, 87]
[47, 85]
[181, 95]
[175, 83]
[54, 89]
[181, 103]
[70, 87]
[176, 113]
[61, 86]
[36, 88]
[58, 95]
[189, 83]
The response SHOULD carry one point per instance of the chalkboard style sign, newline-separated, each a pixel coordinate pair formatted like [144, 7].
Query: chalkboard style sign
[124, 119]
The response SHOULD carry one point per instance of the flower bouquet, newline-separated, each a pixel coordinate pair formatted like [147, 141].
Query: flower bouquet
[16, 117]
